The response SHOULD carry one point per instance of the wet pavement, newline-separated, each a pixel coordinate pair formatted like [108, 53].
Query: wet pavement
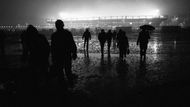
[162, 78]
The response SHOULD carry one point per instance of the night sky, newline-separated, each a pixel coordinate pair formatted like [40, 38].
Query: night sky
[34, 11]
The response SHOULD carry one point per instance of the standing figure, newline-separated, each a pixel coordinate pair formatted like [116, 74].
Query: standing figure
[109, 40]
[143, 40]
[2, 42]
[36, 54]
[114, 39]
[102, 40]
[123, 44]
[86, 36]
[63, 50]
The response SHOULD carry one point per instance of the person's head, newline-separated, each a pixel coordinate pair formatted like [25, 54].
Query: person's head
[102, 30]
[59, 24]
[87, 29]
[31, 29]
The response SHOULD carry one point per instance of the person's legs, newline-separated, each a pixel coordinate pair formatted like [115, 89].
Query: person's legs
[68, 72]
[56, 71]
[35, 80]
[43, 78]
[109, 44]
[124, 52]
[84, 44]
[144, 51]
[102, 49]
[87, 43]
[120, 53]
[144, 54]
[141, 53]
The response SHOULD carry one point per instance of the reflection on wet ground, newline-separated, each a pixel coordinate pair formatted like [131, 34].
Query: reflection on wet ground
[109, 79]
[155, 70]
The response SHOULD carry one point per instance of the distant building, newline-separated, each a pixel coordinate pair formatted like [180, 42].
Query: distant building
[110, 22]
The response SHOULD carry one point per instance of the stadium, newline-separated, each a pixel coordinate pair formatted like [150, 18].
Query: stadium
[110, 21]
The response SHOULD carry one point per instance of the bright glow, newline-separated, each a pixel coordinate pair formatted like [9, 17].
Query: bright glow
[77, 16]
[154, 13]
[70, 9]
[161, 16]
[91, 15]
[63, 15]
[155, 47]
[157, 11]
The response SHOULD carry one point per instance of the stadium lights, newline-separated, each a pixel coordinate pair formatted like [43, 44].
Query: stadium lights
[161, 16]
[150, 23]
[155, 12]
[66, 16]
[105, 18]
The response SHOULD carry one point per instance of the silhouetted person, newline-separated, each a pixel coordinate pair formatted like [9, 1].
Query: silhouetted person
[36, 55]
[122, 44]
[86, 36]
[109, 36]
[102, 40]
[37, 48]
[114, 39]
[143, 40]
[63, 49]
[2, 42]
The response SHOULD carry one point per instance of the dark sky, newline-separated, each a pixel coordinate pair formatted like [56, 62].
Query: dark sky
[34, 11]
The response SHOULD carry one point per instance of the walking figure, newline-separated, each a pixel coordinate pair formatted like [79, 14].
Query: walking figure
[143, 38]
[114, 39]
[122, 44]
[36, 48]
[86, 36]
[63, 49]
[36, 51]
[102, 40]
[109, 36]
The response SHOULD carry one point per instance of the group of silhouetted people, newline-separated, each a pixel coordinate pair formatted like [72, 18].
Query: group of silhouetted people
[107, 37]
[120, 40]
[37, 50]
[36, 53]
